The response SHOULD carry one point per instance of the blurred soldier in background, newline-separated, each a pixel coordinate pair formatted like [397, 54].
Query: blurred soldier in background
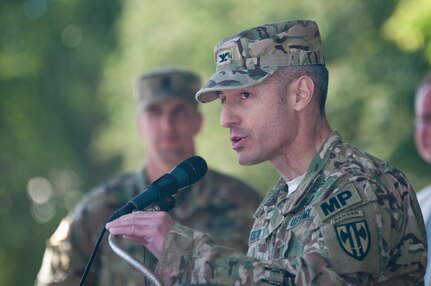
[423, 145]
[338, 216]
[168, 121]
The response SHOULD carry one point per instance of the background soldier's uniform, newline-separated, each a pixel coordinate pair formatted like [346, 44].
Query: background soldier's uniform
[353, 220]
[217, 204]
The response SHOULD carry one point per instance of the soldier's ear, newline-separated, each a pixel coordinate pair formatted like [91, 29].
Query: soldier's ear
[304, 89]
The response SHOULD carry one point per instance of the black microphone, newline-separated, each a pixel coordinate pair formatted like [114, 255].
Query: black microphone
[183, 175]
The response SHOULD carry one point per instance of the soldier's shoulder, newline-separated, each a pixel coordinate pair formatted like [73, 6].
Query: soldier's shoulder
[357, 162]
[119, 182]
[125, 180]
[112, 192]
[350, 168]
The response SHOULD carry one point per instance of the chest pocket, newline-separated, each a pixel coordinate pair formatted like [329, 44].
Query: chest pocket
[275, 219]
[265, 239]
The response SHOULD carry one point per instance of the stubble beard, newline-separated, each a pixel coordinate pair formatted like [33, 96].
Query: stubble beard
[248, 160]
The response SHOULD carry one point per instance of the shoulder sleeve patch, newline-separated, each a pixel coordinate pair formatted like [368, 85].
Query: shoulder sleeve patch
[338, 202]
[354, 238]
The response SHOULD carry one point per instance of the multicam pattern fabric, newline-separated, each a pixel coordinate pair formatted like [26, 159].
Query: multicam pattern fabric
[217, 204]
[354, 220]
[251, 56]
[168, 82]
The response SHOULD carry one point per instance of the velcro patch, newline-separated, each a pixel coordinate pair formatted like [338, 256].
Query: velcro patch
[302, 216]
[223, 57]
[338, 202]
[255, 234]
[354, 238]
[346, 215]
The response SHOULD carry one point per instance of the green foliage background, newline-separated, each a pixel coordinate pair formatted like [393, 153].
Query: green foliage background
[67, 114]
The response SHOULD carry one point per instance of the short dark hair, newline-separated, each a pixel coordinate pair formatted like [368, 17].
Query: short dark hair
[318, 74]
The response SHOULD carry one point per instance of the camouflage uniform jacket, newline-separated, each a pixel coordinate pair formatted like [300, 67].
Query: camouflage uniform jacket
[354, 220]
[217, 204]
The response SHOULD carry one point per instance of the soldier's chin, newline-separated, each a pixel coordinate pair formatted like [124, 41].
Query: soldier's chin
[172, 157]
[244, 160]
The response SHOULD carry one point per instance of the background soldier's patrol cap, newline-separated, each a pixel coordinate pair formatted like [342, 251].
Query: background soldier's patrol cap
[249, 57]
[164, 83]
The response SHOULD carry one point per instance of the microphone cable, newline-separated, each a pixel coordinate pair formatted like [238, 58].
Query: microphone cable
[93, 254]
[160, 194]
[140, 267]
[164, 205]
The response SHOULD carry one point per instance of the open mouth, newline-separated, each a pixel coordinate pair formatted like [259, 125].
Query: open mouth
[237, 142]
[235, 139]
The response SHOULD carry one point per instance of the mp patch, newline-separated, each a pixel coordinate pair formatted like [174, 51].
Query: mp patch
[337, 202]
[354, 238]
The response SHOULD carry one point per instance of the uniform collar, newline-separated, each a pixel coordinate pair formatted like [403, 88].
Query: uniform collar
[279, 193]
[317, 164]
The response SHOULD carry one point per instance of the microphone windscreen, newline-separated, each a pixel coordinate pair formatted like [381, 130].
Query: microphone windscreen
[189, 171]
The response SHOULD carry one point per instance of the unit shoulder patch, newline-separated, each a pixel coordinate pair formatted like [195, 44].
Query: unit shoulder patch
[354, 238]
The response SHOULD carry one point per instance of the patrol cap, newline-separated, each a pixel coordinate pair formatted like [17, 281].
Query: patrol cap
[164, 83]
[249, 57]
